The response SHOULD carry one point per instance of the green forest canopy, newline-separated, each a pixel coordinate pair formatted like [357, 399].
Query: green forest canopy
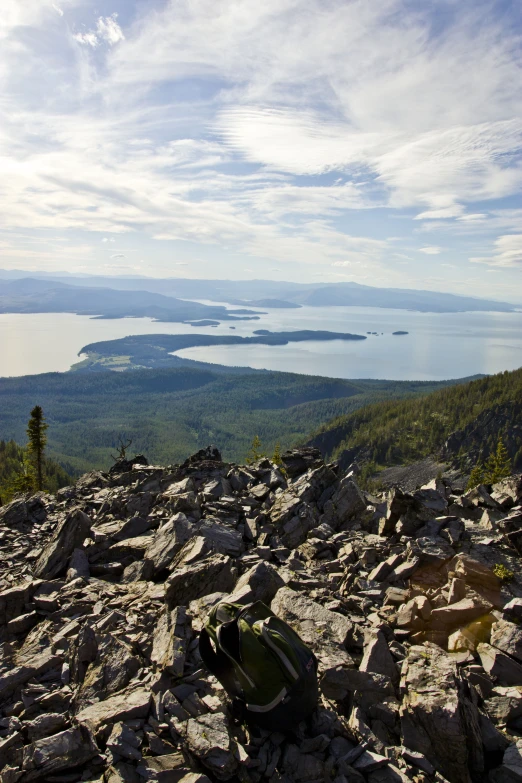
[171, 413]
[395, 432]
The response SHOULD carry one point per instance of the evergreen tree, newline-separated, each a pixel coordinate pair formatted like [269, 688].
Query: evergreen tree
[276, 456]
[36, 429]
[498, 465]
[255, 452]
[476, 476]
[23, 481]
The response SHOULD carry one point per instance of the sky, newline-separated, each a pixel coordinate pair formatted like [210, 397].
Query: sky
[374, 141]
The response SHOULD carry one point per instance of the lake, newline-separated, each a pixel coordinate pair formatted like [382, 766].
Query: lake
[438, 346]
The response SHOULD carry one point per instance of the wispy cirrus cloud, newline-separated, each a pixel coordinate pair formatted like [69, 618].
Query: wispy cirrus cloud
[507, 252]
[300, 131]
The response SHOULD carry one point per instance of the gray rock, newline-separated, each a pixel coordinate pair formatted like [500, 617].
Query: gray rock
[418, 760]
[508, 638]
[222, 538]
[215, 573]
[511, 769]
[512, 610]
[140, 570]
[346, 503]
[207, 737]
[337, 682]
[63, 751]
[377, 657]
[324, 631]
[432, 550]
[13, 602]
[124, 742]
[168, 540]
[69, 536]
[392, 774]
[128, 704]
[504, 705]
[369, 761]
[170, 641]
[260, 583]
[492, 739]
[36, 664]
[78, 565]
[44, 725]
[499, 665]
[296, 608]
[437, 718]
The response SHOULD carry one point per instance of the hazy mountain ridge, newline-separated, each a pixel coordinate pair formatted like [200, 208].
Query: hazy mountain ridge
[311, 294]
[48, 296]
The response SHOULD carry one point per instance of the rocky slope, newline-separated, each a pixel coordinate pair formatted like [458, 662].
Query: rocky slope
[104, 589]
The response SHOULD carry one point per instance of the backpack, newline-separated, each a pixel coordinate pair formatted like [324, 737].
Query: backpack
[262, 664]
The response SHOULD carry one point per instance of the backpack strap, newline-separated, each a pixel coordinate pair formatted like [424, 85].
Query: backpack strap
[218, 663]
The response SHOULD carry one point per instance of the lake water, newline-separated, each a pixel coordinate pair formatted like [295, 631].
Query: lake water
[438, 346]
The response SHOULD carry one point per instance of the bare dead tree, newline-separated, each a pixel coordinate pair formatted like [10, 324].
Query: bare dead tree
[122, 449]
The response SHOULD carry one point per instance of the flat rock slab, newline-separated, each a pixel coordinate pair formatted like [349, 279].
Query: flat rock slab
[63, 751]
[131, 703]
[297, 609]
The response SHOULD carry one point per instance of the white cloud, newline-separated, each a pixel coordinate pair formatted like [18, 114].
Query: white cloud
[299, 114]
[507, 253]
[107, 29]
[118, 255]
[430, 250]
[58, 10]
[89, 39]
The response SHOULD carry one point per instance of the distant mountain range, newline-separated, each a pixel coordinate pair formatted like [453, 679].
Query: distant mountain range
[249, 293]
[33, 295]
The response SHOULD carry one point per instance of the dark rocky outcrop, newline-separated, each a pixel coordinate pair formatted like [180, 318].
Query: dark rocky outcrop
[106, 586]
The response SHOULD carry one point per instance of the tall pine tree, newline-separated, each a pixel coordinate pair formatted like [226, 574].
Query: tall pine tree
[36, 429]
[498, 465]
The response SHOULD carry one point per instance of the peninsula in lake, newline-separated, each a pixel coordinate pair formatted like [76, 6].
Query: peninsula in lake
[156, 350]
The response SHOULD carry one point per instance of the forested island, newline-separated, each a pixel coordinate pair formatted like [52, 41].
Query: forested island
[156, 350]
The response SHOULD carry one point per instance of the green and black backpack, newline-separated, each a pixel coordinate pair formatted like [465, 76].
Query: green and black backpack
[262, 663]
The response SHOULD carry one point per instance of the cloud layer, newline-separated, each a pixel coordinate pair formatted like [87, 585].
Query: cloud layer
[336, 134]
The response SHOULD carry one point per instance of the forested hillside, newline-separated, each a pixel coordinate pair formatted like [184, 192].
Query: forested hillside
[461, 422]
[170, 414]
[13, 462]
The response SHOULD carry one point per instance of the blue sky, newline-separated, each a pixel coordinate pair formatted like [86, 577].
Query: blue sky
[377, 141]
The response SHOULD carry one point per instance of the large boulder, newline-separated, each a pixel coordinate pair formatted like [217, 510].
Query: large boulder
[508, 638]
[168, 540]
[61, 752]
[69, 536]
[216, 573]
[325, 632]
[438, 719]
[259, 583]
